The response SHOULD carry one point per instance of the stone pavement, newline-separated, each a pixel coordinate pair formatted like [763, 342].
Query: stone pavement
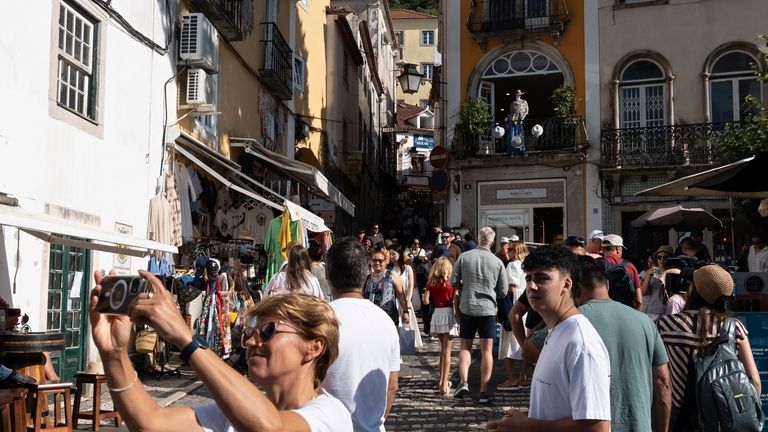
[418, 406]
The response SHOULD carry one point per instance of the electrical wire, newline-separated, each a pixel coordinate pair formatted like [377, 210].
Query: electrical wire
[115, 15]
[165, 115]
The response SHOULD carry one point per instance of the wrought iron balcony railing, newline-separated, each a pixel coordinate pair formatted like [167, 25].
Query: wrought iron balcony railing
[277, 69]
[557, 137]
[490, 16]
[689, 144]
[232, 18]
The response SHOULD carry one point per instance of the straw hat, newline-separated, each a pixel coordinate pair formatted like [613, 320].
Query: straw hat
[712, 282]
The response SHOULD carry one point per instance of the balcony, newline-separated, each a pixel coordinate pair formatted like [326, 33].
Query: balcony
[232, 18]
[557, 138]
[277, 69]
[661, 146]
[517, 16]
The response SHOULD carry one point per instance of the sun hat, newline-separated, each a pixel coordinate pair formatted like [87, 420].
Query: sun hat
[596, 234]
[613, 240]
[664, 248]
[712, 282]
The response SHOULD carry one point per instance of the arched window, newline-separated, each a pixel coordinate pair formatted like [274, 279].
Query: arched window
[642, 97]
[731, 81]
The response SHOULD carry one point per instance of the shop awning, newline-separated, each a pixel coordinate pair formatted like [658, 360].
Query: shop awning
[56, 230]
[312, 221]
[226, 182]
[306, 174]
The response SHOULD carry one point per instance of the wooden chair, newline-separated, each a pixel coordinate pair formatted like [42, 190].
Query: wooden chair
[38, 397]
[95, 415]
[13, 410]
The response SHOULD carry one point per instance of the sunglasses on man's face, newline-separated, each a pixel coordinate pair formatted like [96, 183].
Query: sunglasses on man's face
[265, 331]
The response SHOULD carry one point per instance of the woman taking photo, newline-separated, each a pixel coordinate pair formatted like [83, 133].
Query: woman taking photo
[290, 342]
[297, 277]
[686, 333]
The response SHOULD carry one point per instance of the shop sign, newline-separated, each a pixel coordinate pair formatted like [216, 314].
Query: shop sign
[120, 262]
[329, 216]
[510, 218]
[521, 193]
[354, 164]
[424, 142]
[319, 204]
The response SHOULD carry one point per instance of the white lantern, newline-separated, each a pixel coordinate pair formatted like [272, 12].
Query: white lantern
[537, 130]
[498, 132]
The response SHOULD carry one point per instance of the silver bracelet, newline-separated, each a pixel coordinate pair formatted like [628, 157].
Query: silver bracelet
[118, 390]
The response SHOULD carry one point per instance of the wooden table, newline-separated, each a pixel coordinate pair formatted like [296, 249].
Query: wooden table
[24, 351]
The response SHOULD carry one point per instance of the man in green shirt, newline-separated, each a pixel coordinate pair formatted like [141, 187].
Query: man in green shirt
[640, 380]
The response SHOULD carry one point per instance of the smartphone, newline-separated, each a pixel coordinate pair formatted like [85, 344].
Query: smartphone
[117, 293]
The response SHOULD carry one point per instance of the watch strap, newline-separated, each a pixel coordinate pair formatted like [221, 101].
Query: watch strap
[192, 346]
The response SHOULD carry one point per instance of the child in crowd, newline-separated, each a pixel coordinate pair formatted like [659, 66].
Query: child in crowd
[441, 295]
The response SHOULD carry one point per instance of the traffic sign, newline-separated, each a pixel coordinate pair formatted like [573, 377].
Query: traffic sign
[439, 180]
[439, 157]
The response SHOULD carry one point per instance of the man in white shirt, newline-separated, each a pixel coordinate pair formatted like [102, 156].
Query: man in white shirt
[571, 384]
[364, 376]
[757, 260]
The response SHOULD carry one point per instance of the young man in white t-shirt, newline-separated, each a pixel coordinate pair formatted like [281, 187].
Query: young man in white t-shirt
[571, 383]
[365, 374]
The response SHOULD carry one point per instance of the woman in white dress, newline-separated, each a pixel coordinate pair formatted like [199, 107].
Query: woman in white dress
[399, 267]
[509, 347]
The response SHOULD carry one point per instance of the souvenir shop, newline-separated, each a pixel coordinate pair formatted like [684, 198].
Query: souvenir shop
[231, 230]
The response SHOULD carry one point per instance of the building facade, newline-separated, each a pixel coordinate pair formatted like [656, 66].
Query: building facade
[417, 34]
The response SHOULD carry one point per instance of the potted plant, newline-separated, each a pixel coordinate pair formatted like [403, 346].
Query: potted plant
[564, 102]
[475, 114]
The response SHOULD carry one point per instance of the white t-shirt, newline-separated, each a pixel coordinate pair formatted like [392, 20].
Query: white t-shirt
[279, 285]
[369, 350]
[324, 413]
[572, 376]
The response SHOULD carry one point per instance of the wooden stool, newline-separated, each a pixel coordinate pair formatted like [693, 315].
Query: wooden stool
[13, 409]
[38, 394]
[95, 415]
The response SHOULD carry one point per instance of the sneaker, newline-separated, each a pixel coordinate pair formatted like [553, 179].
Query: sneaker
[462, 391]
[17, 379]
[485, 398]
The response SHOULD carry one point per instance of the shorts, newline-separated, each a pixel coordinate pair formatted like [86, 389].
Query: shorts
[485, 326]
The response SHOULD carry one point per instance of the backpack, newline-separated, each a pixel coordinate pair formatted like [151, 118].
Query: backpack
[726, 400]
[621, 288]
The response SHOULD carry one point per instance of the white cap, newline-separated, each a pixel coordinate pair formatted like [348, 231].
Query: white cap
[612, 240]
[596, 234]
[503, 240]
[514, 238]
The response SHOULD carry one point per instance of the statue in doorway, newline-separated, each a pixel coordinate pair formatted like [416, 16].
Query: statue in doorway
[518, 110]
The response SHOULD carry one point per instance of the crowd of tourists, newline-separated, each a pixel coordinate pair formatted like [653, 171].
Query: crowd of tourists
[611, 347]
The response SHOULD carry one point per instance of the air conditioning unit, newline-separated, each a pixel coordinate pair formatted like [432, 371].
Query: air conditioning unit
[199, 42]
[199, 90]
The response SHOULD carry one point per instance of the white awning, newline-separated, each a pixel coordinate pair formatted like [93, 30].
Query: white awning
[311, 221]
[56, 230]
[305, 173]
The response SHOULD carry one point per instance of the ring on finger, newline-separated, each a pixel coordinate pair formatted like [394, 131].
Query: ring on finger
[150, 294]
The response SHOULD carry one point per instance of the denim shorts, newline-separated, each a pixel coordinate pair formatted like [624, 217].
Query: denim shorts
[485, 326]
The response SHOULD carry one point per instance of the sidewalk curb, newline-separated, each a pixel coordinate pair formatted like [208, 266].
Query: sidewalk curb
[180, 394]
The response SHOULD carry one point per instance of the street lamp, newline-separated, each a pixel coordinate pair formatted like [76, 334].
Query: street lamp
[410, 78]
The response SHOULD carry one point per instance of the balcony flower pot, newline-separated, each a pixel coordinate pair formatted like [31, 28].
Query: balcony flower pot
[475, 116]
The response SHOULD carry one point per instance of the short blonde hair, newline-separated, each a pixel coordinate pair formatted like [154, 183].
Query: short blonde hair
[313, 318]
[519, 250]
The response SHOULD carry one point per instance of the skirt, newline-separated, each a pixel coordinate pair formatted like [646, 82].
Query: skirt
[442, 320]
[508, 346]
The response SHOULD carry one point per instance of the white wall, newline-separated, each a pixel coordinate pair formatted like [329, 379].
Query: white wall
[110, 174]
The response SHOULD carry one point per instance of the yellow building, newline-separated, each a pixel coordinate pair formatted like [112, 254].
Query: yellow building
[417, 35]
[526, 170]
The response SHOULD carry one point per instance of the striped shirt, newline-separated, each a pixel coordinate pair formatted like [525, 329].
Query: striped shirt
[680, 333]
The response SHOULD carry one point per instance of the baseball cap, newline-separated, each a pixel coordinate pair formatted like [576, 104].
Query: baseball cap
[598, 234]
[613, 240]
[504, 240]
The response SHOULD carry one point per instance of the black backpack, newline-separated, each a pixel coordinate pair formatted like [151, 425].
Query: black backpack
[725, 398]
[621, 288]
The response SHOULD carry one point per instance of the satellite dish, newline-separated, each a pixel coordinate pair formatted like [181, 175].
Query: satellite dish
[498, 132]
[517, 141]
[537, 130]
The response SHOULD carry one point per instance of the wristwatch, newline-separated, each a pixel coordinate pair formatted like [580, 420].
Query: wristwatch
[186, 352]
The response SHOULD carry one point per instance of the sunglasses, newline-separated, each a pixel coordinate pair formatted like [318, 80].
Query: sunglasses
[265, 331]
[377, 261]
